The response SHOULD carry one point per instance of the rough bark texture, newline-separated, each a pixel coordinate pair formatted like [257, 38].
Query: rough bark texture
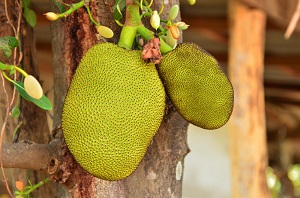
[29, 155]
[4, 31]
[34, 127]
[247, 125]
[160, 172]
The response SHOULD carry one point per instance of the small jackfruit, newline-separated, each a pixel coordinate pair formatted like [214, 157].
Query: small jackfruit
[113, 108]
[197, 86]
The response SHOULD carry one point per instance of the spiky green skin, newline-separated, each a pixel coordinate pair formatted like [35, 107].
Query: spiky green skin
[113, 108]
[197, 86]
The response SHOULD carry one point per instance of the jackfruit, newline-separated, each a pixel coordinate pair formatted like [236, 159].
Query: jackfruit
[197, 86]
[113, 108]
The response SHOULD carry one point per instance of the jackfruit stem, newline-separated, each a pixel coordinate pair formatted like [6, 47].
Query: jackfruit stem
[5, 66]
[12, 67]
[148, 35]
[127, 36]
[20, 70]
[73, 7]
[133, 25]
[129, 29]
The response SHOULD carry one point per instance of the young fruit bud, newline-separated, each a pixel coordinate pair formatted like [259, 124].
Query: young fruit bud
[182, 25]
[51, 16]
[106, 32]
[191, 2]
[173, 12]
[33, 87]
[170, 40]
[155, 20]
[174, 31]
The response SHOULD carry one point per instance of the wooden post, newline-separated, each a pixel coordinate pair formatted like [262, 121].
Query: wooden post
[247, 123]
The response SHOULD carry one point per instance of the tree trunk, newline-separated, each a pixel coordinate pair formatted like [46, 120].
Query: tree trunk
[160, 172]
[247, 125]
[34, 127]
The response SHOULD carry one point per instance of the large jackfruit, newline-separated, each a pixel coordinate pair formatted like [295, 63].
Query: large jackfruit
[197, 86]
[113, 108]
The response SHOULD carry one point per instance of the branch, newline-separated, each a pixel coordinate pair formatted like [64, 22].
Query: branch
[30, 155]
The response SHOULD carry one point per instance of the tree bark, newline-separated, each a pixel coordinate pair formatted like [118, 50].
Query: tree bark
[160, 172]
[247, 125]
[34, 127]
[5, 30]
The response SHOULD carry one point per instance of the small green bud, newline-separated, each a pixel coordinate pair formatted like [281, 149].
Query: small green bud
[33, 87]
[155, 20]
[173, 12]
[182, 25]
[104, 31]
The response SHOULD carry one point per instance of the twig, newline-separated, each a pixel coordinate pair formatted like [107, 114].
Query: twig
[1, 138]
[293, 22]
[8, 19]
[16, 33]
[15, 50]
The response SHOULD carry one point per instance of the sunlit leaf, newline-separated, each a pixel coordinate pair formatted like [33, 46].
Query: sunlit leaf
[43, 103]
[5, 66]
[118, 7]
[15, 112]
[7, 43]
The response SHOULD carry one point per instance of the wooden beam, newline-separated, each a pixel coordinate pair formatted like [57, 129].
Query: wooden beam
[277, 10]
[220, 23]
[213, 23]
[280, 95]
[247, 124]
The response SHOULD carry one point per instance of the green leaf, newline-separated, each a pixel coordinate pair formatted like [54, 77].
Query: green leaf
[15, 112]
[26, 3]
[30, 17]
[7, 43]
[43, 103]
[6, 67]
[12, 71]
[118, 7]
[60, 6]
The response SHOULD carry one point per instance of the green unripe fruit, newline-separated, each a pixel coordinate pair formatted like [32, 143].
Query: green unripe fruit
[113, 108]
[197, 86]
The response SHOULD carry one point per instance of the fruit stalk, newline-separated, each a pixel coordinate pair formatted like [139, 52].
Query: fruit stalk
[131, 22]
[134, 25]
